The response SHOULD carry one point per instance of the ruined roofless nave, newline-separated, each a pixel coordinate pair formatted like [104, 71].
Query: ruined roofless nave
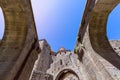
[24, 57]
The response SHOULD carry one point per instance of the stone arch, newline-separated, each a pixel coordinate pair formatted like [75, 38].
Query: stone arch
[19, 40]
[97, 31]
[67, 73]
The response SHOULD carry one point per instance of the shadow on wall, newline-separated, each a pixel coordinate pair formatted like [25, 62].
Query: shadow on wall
[2, 24]
[113, 24]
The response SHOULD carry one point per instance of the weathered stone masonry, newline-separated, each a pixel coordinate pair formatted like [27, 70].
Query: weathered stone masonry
[96, 58]
[19, 47]
[65, 65]
[93, 57]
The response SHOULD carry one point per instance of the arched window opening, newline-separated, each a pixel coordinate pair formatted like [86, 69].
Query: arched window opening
[58, 21]
[2, 24]
[67, 75]
[61, 63]
[113, 24]
[113, 28]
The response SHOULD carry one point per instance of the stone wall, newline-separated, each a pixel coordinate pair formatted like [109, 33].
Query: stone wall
[67, 63]
[94, 58]
[97, 66]
[116, 46]
[93, 47]
[42, 63]
[19, 46]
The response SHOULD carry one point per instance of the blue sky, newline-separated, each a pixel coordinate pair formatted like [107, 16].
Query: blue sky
[58, 21]
[113, 25]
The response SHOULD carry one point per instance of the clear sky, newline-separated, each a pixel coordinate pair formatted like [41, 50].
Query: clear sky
[113, 25]
[58, 21]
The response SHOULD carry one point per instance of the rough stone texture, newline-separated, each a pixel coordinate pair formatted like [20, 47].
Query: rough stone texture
[64, 61]
[93, 58]
[43, 63]
[97, 66]
[93, 47]
[19, 44]
[97, 31]
[65, 65]
[116, 46]
[96, 14]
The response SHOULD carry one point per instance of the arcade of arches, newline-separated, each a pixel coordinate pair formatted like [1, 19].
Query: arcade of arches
[92, 59]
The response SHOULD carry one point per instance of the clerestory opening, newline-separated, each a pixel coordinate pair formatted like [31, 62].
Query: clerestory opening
[113, 28]
[2, 24]
[58, 21]
[113, 24]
